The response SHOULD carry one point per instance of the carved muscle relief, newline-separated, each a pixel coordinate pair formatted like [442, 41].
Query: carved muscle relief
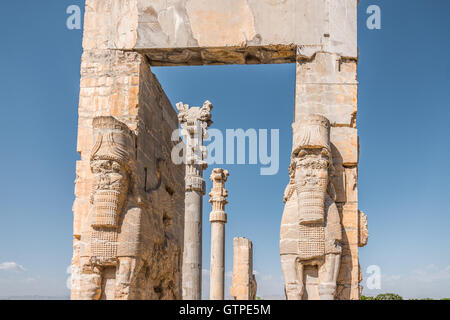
[311, 231]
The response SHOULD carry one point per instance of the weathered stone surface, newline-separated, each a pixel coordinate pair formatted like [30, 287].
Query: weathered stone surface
[345, 182]
[244, 284]
[221, 56]
[326, 84]
[349, 273]
[194, 123]
[326, 68]
[363, 229]
[227, 25]
[218, 219]
[349, 215]
[219, 23]
[351, 184]
[345, 146]
[338, 180]
[336, 101]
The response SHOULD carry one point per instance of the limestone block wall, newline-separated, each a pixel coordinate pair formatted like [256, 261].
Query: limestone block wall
[120, 84]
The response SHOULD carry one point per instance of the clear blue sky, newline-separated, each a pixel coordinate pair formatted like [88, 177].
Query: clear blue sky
[403, 121]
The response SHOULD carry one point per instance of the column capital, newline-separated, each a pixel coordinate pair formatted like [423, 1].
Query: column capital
[218, 216]
[194, 118]
[218, 195]
[195, 183]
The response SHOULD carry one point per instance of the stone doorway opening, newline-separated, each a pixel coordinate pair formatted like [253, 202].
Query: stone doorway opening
[259, 97]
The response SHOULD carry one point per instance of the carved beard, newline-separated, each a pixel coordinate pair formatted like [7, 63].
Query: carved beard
[110, 191]
[311, 181]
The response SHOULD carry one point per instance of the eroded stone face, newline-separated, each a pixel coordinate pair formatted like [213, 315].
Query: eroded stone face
[311, 181]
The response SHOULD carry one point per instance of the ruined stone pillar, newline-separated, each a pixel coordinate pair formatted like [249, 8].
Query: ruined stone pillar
[194, 123]
[244, 282]
[218, 219]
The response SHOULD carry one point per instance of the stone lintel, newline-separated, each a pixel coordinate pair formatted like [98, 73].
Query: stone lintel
[221, 26]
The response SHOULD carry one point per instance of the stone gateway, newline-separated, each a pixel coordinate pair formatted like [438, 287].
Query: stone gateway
[135, 215]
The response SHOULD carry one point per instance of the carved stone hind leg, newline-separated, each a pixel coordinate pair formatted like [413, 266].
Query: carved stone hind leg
[328, 274]
[125, 278]
[293, 277]
[90, 281]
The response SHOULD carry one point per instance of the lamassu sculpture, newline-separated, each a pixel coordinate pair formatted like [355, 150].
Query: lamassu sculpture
[110, 166]
[311, 232]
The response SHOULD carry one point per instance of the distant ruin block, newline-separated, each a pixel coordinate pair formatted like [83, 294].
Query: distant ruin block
[244, 282]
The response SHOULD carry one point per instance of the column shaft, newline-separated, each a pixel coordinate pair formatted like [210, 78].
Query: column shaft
[217, 268]
[192, 256]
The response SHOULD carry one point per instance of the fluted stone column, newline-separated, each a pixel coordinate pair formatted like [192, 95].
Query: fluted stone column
[218, 219]
[194, 122]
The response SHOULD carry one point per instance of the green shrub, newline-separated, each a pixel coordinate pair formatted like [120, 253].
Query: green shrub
[388, 296]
